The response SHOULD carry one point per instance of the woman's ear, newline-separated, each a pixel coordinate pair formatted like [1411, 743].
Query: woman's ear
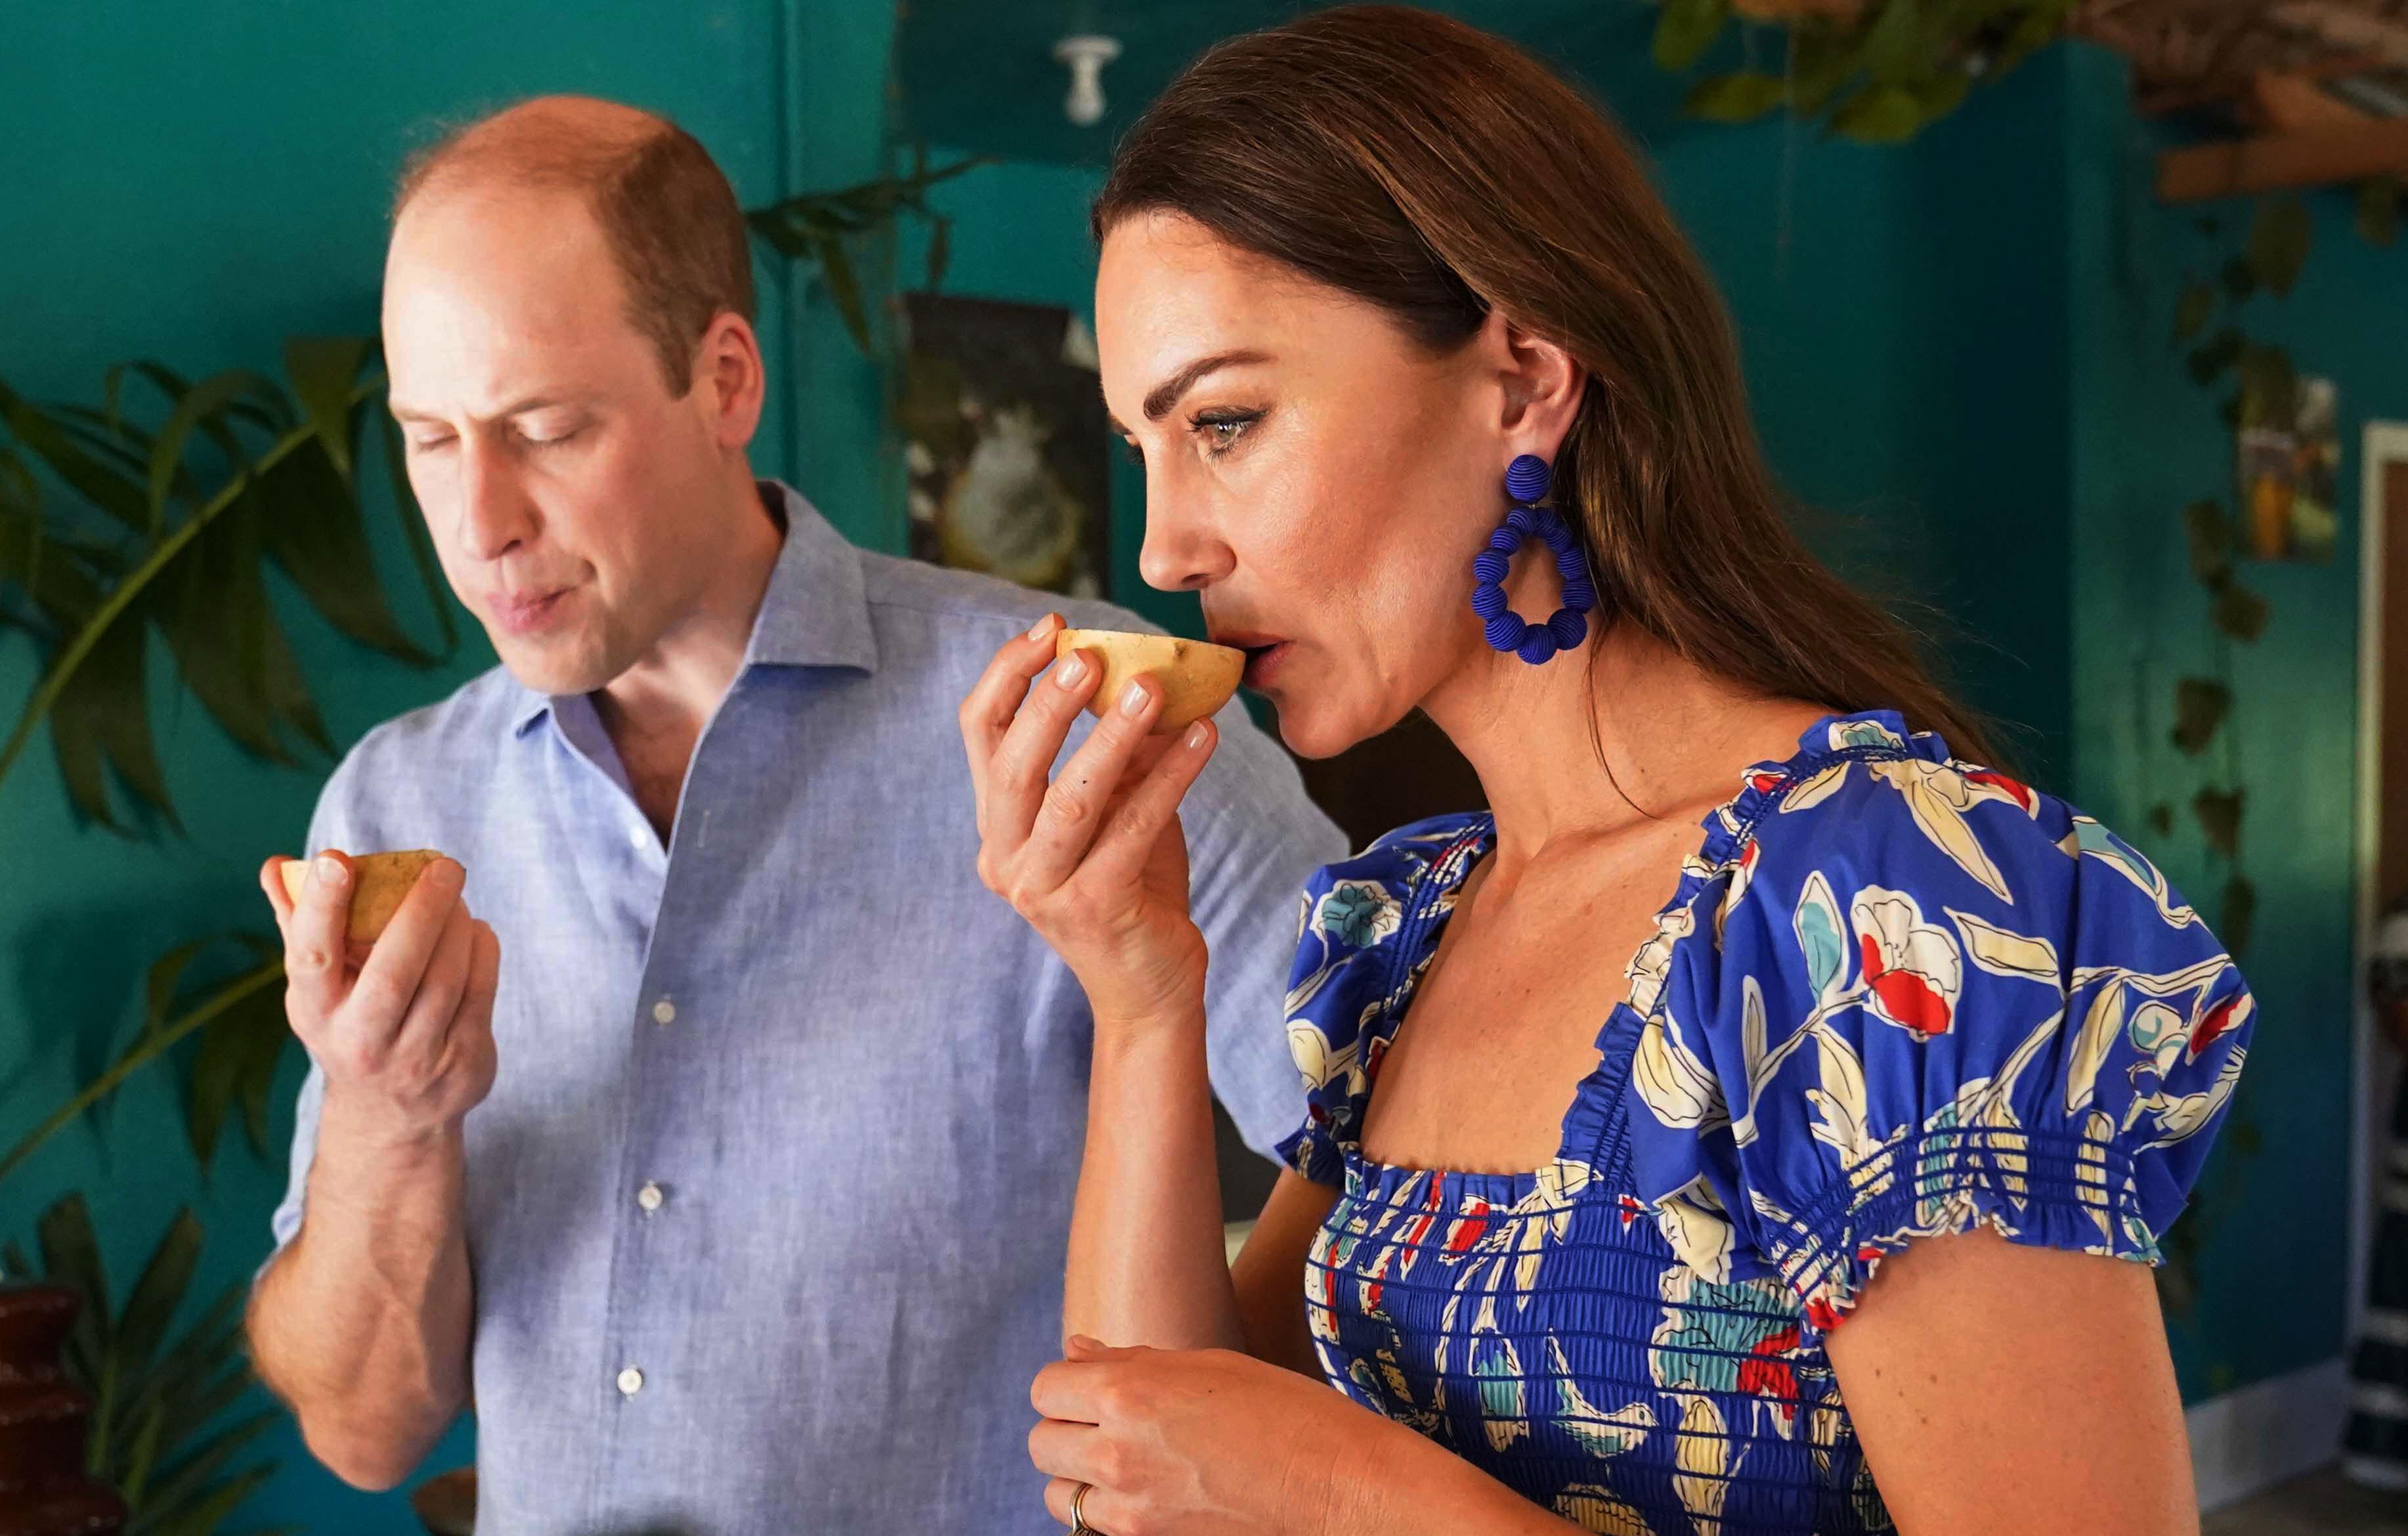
[1541, 384]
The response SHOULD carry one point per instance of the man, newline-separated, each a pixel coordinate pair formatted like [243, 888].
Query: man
[731, 1165]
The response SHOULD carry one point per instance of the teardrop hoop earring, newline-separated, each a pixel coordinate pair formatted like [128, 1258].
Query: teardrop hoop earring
[1527, 480]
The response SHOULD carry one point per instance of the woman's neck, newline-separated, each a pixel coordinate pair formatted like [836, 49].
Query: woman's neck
[1671, 736]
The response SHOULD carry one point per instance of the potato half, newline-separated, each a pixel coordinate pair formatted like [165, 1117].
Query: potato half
[1196, 678]
[379, 883]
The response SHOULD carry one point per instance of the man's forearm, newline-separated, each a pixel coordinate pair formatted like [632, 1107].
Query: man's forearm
[363, 1324]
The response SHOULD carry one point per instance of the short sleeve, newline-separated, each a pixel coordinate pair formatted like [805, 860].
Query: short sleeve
[1350, 959]
[1933, 999]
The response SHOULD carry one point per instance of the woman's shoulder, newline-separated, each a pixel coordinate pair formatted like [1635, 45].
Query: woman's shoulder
[1360, 899]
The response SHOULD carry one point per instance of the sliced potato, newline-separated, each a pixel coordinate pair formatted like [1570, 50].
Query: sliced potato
[1196, 678]
[379, 883]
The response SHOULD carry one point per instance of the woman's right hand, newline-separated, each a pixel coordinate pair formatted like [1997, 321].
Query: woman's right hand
[1096, 859]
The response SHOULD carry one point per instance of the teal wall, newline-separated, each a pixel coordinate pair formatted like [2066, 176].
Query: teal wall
[191, 182]
[1956, 352]
[2147, 440]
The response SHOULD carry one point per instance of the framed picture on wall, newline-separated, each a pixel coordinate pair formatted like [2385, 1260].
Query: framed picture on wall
[2289, 461]
[1003, 426]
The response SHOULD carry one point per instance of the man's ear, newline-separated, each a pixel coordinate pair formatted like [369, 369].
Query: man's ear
[1540, 385]
[727, 369]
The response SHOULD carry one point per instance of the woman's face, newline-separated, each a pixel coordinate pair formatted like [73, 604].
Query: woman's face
[1319, 477]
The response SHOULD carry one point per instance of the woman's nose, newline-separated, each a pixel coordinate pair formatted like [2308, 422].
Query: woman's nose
[1182, 554]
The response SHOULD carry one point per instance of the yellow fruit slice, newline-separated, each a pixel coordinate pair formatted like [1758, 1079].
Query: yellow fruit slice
[379, 883]
[1196, 678]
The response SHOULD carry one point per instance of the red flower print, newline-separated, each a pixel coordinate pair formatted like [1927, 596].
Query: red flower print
[1913, 969]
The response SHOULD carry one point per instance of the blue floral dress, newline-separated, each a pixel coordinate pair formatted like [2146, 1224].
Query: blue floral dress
[1895, 996]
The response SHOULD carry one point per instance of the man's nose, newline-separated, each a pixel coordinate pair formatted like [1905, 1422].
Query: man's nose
[1181, 553]
[495, 514]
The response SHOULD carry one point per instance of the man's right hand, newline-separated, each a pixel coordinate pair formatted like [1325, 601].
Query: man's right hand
[404, 1035]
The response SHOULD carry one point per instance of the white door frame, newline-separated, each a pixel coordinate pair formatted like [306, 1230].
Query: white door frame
[2385, 443]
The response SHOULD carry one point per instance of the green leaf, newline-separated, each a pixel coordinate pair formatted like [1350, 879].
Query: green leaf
[188, 1480]
[311, 527]
[2200, 705]
[213, 610]
[1879, 114]
[101, 719]
[120, 496]
[71, 1255]
[1942, 96]
[2279, 240]
[2161, 819]
[1822, 59]
[940, 250]
[2269, 386]
[2378, 209]
[203, 1517]
[322, 369]
[2210, 536]
[203, 402]
[156, 1295]
[2219, 354]
[2191, 315]
[1684, 29]
[844, 291]
[131, 1476]
[2240, 918]
[1741, 97]
[235, 1064]
[2040, 26]
[1898, 48]
[2240, 280]
[2237, 611]
[2219, 816]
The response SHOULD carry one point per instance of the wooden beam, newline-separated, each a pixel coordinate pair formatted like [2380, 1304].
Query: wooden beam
[2288, 104]
[2310, 158]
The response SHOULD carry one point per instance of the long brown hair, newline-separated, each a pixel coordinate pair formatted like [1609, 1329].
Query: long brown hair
[1437, 171]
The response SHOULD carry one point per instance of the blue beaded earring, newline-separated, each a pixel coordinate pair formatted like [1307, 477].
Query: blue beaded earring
[1525, 482]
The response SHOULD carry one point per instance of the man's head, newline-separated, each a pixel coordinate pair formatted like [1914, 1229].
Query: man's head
[567, 309]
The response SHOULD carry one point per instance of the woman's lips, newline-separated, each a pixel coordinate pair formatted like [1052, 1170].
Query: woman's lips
[1263, 664]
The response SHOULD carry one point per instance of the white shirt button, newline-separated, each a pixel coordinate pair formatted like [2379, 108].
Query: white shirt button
[663, 1011]
[639, 838]
[650, 1197]
[631, 1381]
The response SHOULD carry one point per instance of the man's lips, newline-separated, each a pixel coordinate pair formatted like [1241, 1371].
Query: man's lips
[520, 612]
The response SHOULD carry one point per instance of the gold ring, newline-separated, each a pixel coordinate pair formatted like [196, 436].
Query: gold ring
[1079, 1526]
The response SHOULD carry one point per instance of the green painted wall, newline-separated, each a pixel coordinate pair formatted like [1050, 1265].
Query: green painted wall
[2147, 441]
[191, 184]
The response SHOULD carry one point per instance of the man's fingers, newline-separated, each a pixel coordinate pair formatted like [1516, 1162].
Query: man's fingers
[390, 979]
[313, 940]
[439, 990]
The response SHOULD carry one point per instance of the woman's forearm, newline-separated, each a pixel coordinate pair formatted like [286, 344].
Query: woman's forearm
[1148, 1263]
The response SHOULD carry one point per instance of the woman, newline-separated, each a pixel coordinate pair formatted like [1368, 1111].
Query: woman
[1371, 284]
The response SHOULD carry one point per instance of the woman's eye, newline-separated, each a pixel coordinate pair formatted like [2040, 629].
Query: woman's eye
[1221, 432]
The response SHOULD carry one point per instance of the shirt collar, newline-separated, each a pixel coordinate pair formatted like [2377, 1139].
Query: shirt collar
[814, 613]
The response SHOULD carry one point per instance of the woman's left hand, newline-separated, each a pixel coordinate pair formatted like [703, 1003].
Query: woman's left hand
[1190, 1442]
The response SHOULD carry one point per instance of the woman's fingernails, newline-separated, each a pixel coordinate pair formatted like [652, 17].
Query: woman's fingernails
[1198, 735]
[329, 872]
[1133, 699]
[1072, 671]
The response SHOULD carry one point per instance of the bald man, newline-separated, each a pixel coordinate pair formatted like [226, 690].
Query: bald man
[701, 1114]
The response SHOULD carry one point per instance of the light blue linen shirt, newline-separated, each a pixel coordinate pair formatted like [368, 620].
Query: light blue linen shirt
[768, 1208]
